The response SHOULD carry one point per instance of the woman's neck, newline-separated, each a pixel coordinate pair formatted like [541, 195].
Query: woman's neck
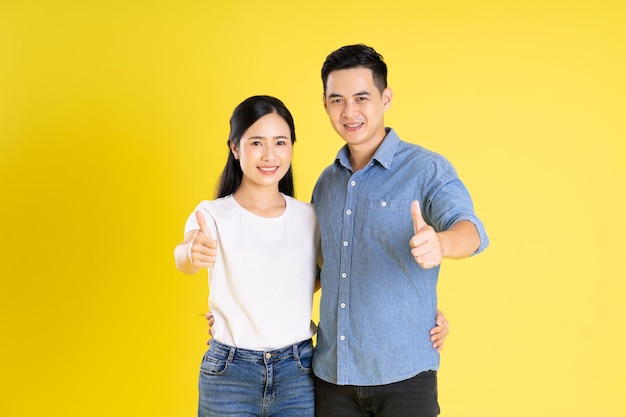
[262, 202]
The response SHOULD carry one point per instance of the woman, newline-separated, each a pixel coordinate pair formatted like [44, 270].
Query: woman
[261, 247]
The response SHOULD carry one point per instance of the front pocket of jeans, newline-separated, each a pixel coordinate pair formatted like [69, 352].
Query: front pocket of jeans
[213, 365]
[305, 359]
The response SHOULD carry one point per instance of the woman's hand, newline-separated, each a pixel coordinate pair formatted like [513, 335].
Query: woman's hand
[439, 333]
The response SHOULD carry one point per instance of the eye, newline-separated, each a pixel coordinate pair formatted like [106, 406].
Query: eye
[256, 143]
[361, 98]
[336, 101]
[281, 142]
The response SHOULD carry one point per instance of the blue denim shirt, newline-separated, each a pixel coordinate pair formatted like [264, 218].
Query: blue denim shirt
[377, 303]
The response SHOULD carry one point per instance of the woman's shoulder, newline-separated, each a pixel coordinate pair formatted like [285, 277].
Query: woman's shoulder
[300, 206]
[219, 204]
[298, 203]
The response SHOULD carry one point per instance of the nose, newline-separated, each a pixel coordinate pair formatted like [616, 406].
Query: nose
[349, 108]
[269, 152]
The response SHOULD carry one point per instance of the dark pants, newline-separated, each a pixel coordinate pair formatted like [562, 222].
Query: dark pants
[414, 397]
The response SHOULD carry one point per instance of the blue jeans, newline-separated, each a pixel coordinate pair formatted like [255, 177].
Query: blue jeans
[414, 397]
[241, 382]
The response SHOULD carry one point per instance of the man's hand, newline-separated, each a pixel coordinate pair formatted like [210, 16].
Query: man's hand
[425, 245]
[211, 320]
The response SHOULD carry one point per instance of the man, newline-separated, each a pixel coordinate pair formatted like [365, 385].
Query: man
[389, 212]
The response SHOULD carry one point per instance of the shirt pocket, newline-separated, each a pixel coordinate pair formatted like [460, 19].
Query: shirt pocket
[388, 221]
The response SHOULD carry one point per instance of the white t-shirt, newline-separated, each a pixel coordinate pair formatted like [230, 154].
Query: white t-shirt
[261, 285]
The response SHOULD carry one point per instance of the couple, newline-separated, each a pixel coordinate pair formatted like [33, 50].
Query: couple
[388, 213]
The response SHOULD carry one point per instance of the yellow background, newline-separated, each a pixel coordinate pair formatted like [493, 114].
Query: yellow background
[113, 122]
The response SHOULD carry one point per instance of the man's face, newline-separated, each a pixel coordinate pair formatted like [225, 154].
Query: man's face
[355, 106]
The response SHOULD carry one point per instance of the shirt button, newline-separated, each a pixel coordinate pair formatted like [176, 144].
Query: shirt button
[268, 355]
[353, 183]
[345, 243]
[342, 337]
[384, 204]
[343, 305]
[343, 275]
[349, 212]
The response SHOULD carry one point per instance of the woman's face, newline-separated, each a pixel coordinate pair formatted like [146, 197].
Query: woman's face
[265, 151]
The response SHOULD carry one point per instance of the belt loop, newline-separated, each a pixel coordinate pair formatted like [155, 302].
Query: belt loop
[231, 353]
[296, 353]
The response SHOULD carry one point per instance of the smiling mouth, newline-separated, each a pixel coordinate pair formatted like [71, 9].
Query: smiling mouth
[352, 126]
[268, 170]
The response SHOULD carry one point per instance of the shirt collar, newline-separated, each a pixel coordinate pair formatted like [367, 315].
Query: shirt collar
[383, 155]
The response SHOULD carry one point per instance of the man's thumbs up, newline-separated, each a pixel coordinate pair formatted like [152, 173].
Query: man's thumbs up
[425, 244]
[418, 220]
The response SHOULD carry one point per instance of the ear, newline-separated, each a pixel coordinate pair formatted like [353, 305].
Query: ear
[233, 149]
[387, 98]
[324, 101]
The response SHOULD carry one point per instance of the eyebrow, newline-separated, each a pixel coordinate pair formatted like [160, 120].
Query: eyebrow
[265, 137]
[360, 93]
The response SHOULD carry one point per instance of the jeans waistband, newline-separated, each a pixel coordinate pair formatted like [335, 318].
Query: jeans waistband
[261, 355]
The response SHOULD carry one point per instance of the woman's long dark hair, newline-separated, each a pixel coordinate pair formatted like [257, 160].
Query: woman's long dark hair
[245, 115]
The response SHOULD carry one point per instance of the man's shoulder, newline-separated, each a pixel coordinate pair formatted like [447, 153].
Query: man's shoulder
[417, 153]
[327, 171]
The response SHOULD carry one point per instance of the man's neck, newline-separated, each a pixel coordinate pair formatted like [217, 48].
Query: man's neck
[361, 154]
